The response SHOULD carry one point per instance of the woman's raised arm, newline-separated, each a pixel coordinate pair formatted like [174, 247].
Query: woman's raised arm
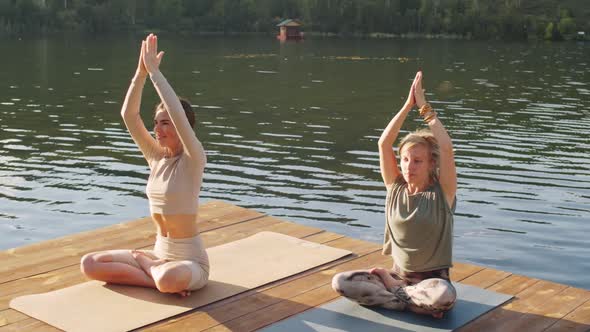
[387, 161]
[151, 58]
[130, 112]
[447, 171]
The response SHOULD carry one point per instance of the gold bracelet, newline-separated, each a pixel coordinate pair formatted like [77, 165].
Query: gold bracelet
[430, 116]
[425, 109]
[427, 114]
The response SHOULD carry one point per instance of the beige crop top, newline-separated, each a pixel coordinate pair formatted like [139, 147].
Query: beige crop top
[174, 183]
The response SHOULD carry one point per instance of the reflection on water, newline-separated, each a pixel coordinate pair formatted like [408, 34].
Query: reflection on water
[291, 130]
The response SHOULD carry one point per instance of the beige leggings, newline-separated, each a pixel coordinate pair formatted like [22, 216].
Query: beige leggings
[189, 252]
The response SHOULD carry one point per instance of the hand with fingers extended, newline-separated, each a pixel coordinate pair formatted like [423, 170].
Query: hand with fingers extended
[419, 96]
[411, 101]
[151, 57]
[141, 70]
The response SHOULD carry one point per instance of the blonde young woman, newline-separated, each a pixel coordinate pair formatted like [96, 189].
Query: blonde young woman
[419, 219]
[179, 262]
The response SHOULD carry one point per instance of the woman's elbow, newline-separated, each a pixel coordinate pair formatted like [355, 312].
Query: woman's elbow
[124, 114]
[204, 159]
[446, 148]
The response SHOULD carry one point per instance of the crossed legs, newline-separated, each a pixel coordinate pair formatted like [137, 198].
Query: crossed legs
[139, 268]
[432, 296]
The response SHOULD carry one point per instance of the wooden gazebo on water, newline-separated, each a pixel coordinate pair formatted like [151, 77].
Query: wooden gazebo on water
[290, 30]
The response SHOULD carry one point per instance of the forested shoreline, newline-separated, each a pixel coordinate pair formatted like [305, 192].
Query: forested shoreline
[470, 19]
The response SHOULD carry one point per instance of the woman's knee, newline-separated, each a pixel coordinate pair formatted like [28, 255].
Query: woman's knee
[199, 275]
[88, 265]
[362, 287]
[339, 282]
[448, 296]
[436, 294]
[444, 292]
[347, 283]
[171, 279]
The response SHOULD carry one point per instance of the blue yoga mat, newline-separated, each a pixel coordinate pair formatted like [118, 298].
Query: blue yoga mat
[345, 315]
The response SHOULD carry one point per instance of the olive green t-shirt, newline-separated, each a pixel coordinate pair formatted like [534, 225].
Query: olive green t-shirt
[418, 228]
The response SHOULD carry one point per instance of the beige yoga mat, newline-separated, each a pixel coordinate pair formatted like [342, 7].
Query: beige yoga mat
[235, 267]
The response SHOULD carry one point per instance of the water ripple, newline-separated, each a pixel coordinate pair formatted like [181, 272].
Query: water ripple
[310, 155]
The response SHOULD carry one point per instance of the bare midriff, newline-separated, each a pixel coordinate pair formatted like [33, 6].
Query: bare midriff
[176, 226]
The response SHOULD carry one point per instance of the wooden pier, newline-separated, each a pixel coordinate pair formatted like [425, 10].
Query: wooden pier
[538, 305]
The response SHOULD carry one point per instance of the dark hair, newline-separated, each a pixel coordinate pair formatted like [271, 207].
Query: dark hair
[188, 110]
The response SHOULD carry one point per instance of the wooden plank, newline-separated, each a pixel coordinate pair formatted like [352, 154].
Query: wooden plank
[224, 215]
[576, 321]
[324, 237]
[357, 246]
[32, 256]
[195, 317]
[486, 278]
[558, 305]
[242, 230]
[40, 283]
[512, 285]
[539, 305]
[207, 211]
[70, 275]
[261, 301]
[10, 316]
[352, 245]
[134, 235]
[281, 310]
[29, 325]
[500, 318]
[541, 315]
[534, 296]
[261, 318]
[460, 271]
[293, 229]
[286, 308]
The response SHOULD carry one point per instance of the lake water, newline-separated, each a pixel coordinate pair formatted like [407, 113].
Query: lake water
[291, 130]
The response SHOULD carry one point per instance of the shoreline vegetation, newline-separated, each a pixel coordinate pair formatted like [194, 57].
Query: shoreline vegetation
[382, 19]
[308, 35]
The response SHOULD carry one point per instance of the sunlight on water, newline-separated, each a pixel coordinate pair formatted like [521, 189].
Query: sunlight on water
[292, 130]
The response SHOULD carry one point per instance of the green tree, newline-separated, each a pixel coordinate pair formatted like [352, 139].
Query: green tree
[552, 32]
[567, 26]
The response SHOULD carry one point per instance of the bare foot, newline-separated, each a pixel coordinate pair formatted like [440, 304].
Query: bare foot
[146, 262]
[418, 310]
[387, 278]
[184, 293]
[377, 270]
[438, 315]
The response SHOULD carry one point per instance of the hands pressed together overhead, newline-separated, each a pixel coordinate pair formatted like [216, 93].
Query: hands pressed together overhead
[416, 95]
[417, 98]
[149, 57]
